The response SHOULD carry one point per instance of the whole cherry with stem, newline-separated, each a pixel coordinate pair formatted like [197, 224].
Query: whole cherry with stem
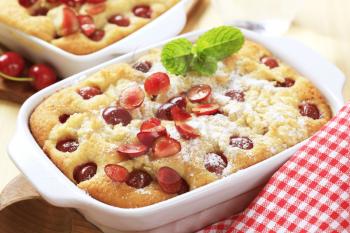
[12, 65]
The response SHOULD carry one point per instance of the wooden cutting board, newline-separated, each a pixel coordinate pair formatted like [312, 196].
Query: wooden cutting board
[15, 91]
[23, 211]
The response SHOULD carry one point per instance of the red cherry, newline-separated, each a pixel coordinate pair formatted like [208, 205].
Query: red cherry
[132, 97]
[120, 20]
[139, 179]
[179, 114]
[116, 172]
[150, 123]
[288, 82]
[215, 163]
[96, 9]
[67, 145]
[27, 3]
[148, 136]
[63, 118]
[54, 1]
[160, 130]
[97, 35]
[235, 95]
[184, 187]
[115, 115]
[179, 101]
[243, 143]
[199, 93]
[165, 147]
[42, 11]
[11, 63]
[186, 131]
[73, 3]
[157, 83]
[132, 150]
[89, 92]
[87, 24]
[143, 66]
[164, 111]
[84, 172]
[309, 110]
[269, 61]
[206, 109]
[70, 22]
[143, 11]
[43, 76]
[169, 180]
[95, 1]
[150, 131]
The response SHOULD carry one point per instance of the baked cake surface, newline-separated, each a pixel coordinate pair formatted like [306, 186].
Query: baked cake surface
[263, 108]
[81, 26]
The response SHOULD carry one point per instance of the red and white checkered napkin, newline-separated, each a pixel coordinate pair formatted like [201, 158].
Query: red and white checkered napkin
[310, 193]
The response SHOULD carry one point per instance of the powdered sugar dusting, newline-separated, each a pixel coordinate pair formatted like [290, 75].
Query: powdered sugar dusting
[143, 191]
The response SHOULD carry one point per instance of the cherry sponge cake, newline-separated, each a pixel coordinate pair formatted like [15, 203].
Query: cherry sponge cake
[81, 26]
[133, 134]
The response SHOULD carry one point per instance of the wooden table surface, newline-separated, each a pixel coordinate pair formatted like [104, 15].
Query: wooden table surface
[323, 25]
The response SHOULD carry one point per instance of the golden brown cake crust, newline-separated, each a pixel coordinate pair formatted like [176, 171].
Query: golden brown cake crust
[16, 16]
[269, 116]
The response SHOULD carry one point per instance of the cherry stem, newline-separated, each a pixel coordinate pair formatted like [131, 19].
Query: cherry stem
[18, 79]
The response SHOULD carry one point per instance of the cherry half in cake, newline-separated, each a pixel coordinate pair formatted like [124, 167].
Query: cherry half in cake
[133, 150]
[89, 92]
[235, 95]
[143, 11]
[215, 162]
[288, 82]
[114, 115]
[169, 180]
[157, 83]
[243, 143]
[143, 66]
[309, 110]
[199, 93]
[269, 62]
[67, 145]
[139, 179]
[84, 172]
[120, 20]
[131, 98]
[116, 172]
[63, 118]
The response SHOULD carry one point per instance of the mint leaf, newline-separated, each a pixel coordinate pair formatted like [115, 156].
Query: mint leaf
[176, 56]
[179, 56]
[219, 42]
[204, 65]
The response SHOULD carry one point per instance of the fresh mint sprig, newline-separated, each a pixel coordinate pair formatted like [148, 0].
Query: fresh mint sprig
[180, 56]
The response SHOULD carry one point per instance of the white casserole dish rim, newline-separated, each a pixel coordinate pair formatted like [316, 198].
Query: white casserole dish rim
[65, 194]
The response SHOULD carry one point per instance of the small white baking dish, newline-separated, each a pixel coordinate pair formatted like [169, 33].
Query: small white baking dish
[190, 211]
[167, 25]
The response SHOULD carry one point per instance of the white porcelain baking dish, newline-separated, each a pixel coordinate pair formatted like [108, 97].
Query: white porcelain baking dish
[190, 211]
[165, 26]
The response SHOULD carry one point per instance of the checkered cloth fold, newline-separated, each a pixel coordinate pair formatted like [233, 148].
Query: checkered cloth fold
[309, 193]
